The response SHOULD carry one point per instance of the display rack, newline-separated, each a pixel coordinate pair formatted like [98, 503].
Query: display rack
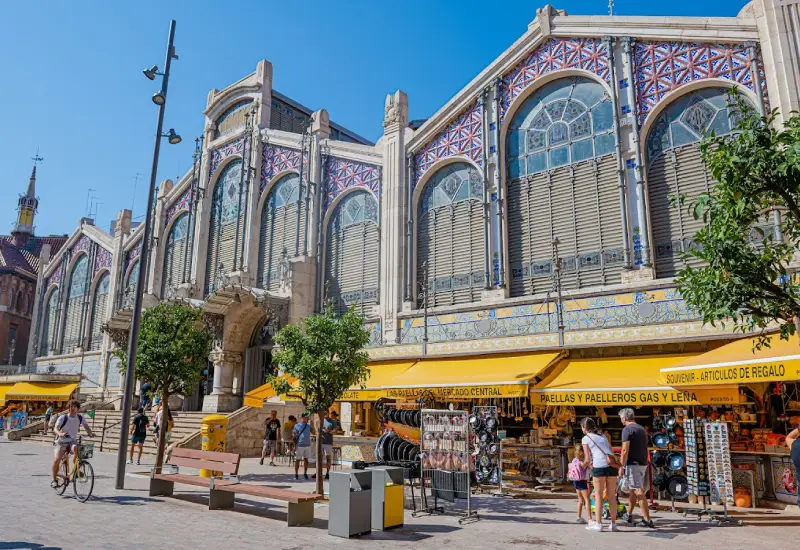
[487, 451]
[445, 460]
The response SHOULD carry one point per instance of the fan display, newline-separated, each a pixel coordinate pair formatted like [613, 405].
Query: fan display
[486, 446]
[696, 470]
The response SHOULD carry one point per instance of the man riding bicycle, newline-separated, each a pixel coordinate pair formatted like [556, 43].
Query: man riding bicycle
[66, 431]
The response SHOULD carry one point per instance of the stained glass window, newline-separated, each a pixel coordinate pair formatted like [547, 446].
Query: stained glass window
[566, 121]
[454, 183]
[354, 209]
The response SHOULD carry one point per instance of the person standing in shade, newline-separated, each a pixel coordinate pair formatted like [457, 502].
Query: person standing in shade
[47, 415]
[288, 438]
[793, 443]
[634, 464]
[138, 434]
[330, 424]
[302, 441]
[272, 431]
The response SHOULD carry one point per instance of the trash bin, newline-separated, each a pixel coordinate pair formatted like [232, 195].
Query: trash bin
[387, 497]
[350, 503]
[214, 430]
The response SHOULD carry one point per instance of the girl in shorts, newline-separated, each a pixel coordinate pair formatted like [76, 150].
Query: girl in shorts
[579, 474]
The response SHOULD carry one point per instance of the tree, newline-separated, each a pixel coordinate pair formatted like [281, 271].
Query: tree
[326, 357]
[748, 279]
[173, 348]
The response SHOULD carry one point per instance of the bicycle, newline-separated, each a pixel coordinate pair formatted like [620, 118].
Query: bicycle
[82, 474]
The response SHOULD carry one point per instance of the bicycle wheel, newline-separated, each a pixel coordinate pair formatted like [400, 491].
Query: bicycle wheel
[63, 479]
[83, 482]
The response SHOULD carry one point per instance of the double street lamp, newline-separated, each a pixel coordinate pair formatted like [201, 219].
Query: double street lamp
[160, 99]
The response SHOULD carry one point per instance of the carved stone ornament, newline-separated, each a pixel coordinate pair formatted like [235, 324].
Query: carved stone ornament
[214, 323]
[395, 110]
[119, 336]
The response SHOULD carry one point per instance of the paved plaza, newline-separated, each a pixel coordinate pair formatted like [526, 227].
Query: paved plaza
[34, 517]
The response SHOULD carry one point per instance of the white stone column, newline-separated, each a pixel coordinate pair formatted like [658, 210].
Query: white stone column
[122, 229]
[320, 131]
[222, 398]
[35, 330]
[203, 214]
[393, 213]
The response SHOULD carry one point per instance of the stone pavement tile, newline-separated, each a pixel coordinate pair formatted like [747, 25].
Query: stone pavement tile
[34, 517]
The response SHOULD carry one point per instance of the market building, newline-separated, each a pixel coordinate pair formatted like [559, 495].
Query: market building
[528, 217]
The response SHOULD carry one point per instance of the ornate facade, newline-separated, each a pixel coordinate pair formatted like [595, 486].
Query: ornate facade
[552, 168]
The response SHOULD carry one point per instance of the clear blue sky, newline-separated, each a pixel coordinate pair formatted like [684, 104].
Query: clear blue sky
[72, 82]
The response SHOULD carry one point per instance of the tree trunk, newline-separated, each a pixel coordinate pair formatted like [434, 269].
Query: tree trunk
[162, 429]
[320, 458]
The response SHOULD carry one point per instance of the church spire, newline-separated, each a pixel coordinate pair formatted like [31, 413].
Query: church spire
[27, 206]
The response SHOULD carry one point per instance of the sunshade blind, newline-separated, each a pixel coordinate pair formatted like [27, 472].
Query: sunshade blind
[78, 286]
[225, 209]
[49, 323]
[175, 254]
[279, 239]
[99, 308]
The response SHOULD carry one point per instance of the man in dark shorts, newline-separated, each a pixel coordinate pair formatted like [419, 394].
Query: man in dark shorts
[793, 442]
[634, 464]
[272, 431]
[138, 434]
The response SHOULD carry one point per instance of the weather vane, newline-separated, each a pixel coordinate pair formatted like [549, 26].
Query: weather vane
[610, 7]
[37, 159]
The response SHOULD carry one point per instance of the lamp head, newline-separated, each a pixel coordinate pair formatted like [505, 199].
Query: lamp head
[172, 137]
[158, 98]
[151, 72]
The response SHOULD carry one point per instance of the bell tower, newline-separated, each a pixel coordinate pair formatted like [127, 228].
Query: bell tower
[27, 206]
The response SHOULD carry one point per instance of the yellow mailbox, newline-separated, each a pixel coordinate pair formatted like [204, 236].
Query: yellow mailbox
[214, 430]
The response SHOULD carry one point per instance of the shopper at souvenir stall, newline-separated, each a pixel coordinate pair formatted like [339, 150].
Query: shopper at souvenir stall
[634, 463]
[605, 469]
[578, 473]
[793, 443]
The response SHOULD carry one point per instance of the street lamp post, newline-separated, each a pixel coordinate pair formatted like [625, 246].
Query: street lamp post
[559, 307]
[423, 295]
[160, 99]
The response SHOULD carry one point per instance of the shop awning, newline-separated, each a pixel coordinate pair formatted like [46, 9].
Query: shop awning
[737, 363]
[40, 391]
[381, 377]
[258, 397]
[474, 377]
[3, 389]
[618, 381]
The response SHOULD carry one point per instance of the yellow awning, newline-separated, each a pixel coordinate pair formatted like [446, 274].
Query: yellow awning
[381, 377]
[40, 391]
[258, 397]
[616, 381]
[736, 363]
[3, 389]
[474, 377]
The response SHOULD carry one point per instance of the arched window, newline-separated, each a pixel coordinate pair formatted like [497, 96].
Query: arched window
[352, 254]
[674, 167]
[279, 238]
[175, 254]
[225, 209]
[562, 183]
[450, 235]
[131, 281]
[99, 308]
[78, 286]
[20, 302]
[49, 323]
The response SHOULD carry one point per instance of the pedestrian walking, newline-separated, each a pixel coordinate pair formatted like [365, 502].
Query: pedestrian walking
[634, 465]
[272, 435]
[578, 473]
[157, 423]
[144, 402]
[288, 438]
[138, 433]
[793, 443]
[330, 424]
[302, 441]
[605, 468]
[47, 415]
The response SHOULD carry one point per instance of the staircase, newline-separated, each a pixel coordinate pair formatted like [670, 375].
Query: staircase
[186, 423]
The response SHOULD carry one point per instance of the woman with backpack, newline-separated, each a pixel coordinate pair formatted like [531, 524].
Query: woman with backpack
[605, 469]
[579, 475]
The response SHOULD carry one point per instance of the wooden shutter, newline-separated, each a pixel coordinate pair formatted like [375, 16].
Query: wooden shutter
[99, 308]
[175, 254]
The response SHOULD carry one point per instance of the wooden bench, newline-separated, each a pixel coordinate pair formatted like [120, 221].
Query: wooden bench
[222, 492]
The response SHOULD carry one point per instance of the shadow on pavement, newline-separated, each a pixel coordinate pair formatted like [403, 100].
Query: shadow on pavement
[124, 500]
[19, 545]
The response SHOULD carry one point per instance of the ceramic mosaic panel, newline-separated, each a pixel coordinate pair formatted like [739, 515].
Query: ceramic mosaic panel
[82, 244]
[602, 312]
[276, 159]
[375, 337]
[113, 376]
[133, 254]
[342, 174]
[218, 155]
[462, 137]
[181, 204]
[102, 260]
[661, 67]
[589, 54]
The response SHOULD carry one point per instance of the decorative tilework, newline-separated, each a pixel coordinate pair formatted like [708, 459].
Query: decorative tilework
[182, 203]
[589, 54]
[342, 174]
[276, 159]
[463, 136]
[82, 244]
[132, 254]
[661, 67]
[102, 260]
[218, 155]
[55, 278]
[375, 337]
[601, 312]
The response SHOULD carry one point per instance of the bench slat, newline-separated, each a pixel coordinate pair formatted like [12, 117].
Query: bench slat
[207, 455]
[225, 467]
[198, 481]
[269, 492]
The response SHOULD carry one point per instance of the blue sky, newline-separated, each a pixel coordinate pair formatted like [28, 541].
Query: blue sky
[72, 81]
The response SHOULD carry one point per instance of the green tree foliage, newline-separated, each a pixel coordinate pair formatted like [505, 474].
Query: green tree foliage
[747, 280]
[172, 352]
[325, 357]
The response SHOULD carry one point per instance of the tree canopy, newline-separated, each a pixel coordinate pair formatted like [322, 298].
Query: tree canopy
[747, 279]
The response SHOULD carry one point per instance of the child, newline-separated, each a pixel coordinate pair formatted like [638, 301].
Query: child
[578, 474]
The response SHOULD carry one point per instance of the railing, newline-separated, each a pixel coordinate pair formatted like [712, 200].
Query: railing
[9, 370]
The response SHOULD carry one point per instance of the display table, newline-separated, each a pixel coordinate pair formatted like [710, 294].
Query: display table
[355, 448]
[535, 459]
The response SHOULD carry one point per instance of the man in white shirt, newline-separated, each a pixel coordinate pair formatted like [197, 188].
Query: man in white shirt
[66, 431]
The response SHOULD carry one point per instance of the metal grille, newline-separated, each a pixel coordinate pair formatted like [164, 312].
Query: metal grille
[353, 253]
[77, 289]
[283, 117]
[450, 236]
[175, 254]
[99, 307]
[279, 231]
[225, 209]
